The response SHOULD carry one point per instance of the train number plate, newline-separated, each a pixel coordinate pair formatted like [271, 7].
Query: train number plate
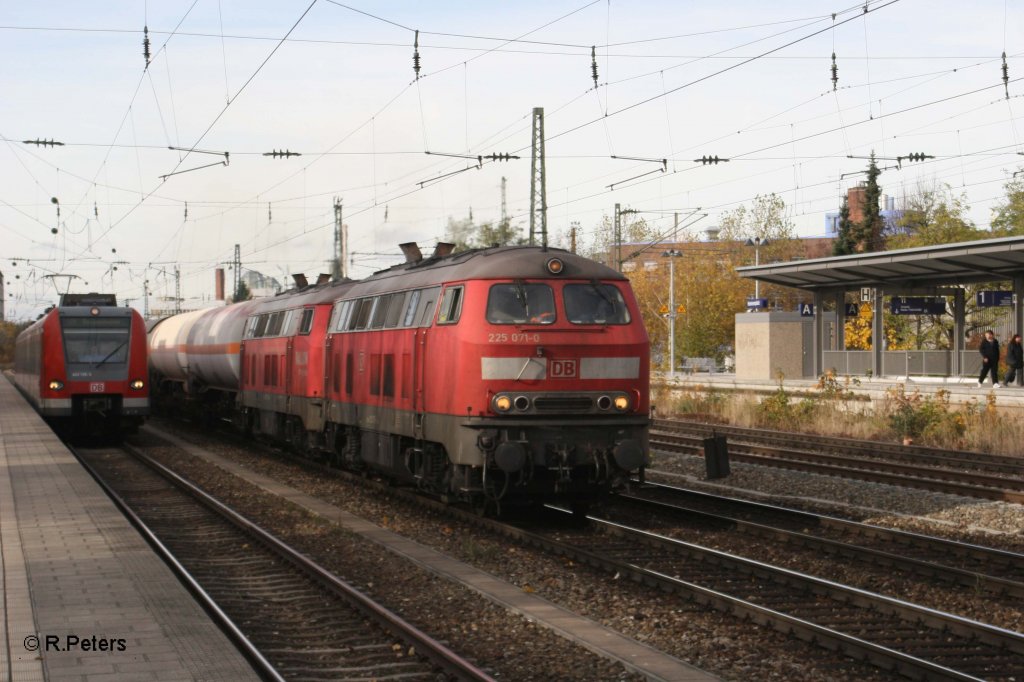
[97, 387]
[564, 369]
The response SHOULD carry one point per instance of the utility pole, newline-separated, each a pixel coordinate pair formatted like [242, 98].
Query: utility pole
[504, 205]
[177, 289]
[672, 254]
[618, 237]
[237, 265]
[145, 299]
[573, 229]
[338, 262]
[538, 193]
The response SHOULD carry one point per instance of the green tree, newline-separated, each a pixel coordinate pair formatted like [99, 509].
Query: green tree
[843, 244]
[242, 293]
[935, 216]
[1008, 218]
[466, 234]
[869, 232]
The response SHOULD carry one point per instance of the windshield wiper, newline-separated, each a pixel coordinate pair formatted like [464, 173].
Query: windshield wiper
[521, 296]
[599, 288]
[111, 353]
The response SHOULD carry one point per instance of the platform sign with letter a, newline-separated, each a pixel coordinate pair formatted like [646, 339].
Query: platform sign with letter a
[806, 309]
[852, 310]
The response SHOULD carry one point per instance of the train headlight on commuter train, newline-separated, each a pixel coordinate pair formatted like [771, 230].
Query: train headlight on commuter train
[138, 384]
[56, 385]
[555, 266]
[621, 403]
[502, 403]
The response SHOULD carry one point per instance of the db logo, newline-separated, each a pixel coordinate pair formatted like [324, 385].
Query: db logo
[563, 369]
[97, 387]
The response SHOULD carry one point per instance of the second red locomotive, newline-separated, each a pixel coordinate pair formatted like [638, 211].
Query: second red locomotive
[501, 375]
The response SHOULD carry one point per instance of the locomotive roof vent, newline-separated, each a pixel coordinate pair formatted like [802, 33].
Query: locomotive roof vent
[300, 280]
[443, 249]
[412, 252]
[323, 278]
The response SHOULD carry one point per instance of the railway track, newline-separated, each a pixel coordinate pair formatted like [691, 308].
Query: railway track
[912, 640]
[992, 477]
[295, 620]
[981, 569]
[894, 635]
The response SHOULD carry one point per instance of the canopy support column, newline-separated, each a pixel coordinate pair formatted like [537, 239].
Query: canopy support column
[877, 333]
[959, 326]
[819, 331]
[1018, 305]
[840, 319]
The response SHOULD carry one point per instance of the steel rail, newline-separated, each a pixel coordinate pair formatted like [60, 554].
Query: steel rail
[968, 578]
[261, 665]
[857, 468]
[432, 649]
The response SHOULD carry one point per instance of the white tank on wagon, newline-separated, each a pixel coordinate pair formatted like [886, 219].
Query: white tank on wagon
[200, 347]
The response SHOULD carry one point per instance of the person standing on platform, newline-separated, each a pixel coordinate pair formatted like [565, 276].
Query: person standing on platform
[1015, 361]
[989, 359]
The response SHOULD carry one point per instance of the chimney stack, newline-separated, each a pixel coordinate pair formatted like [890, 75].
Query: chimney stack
[218, 283]
[323, 278]
[412, 252]
[442, 249]
[300, 280]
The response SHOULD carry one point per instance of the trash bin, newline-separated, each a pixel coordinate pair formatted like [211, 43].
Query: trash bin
[716, 457]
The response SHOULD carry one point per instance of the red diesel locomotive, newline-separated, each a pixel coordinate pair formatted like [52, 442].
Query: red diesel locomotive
[508, 374]
[83, 365]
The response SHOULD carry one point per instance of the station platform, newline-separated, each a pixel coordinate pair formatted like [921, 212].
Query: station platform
[84, 596]
[961, 390]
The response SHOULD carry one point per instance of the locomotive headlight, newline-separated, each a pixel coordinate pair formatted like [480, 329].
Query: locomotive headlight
[56, 385]
[138, 384]
[502, 403]
[555, 266]
[621, 403]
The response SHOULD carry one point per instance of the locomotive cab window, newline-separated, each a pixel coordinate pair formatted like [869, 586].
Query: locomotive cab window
[261, 326]
[451, 306]
[97, 340]
[595, 303]
[521, 303]
[395, 310]
[306, 324]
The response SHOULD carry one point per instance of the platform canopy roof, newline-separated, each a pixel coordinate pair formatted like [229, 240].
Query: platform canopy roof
[928, 266]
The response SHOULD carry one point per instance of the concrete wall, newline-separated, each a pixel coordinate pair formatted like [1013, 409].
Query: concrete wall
[768, 343]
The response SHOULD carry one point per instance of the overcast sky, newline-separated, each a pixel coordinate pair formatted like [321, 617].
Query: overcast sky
[674, 82]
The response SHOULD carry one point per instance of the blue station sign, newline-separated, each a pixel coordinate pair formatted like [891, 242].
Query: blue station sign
[907, 305]
[756, 303]
[994, 299]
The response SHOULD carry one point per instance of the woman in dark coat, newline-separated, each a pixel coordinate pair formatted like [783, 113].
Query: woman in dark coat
[1015, 359]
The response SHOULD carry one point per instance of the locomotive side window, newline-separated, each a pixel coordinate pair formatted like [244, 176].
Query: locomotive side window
[306, 324]
[250, 326]
[361, 317]
[274, 325]
[410, 308]
[427, 304]
[96, 339]
[520, 303]
[381, 311]
[451, 306]
[342, 310]
[595, 303]
[261, 325]
[395, 310]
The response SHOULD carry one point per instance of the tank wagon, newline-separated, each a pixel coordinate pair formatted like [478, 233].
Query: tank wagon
[83, 365]
[501, 375]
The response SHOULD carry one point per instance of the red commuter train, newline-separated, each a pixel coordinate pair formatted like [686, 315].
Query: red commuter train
[499, 375]
[83, 365]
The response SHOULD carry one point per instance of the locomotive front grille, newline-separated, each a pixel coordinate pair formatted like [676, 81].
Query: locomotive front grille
[563, 404]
